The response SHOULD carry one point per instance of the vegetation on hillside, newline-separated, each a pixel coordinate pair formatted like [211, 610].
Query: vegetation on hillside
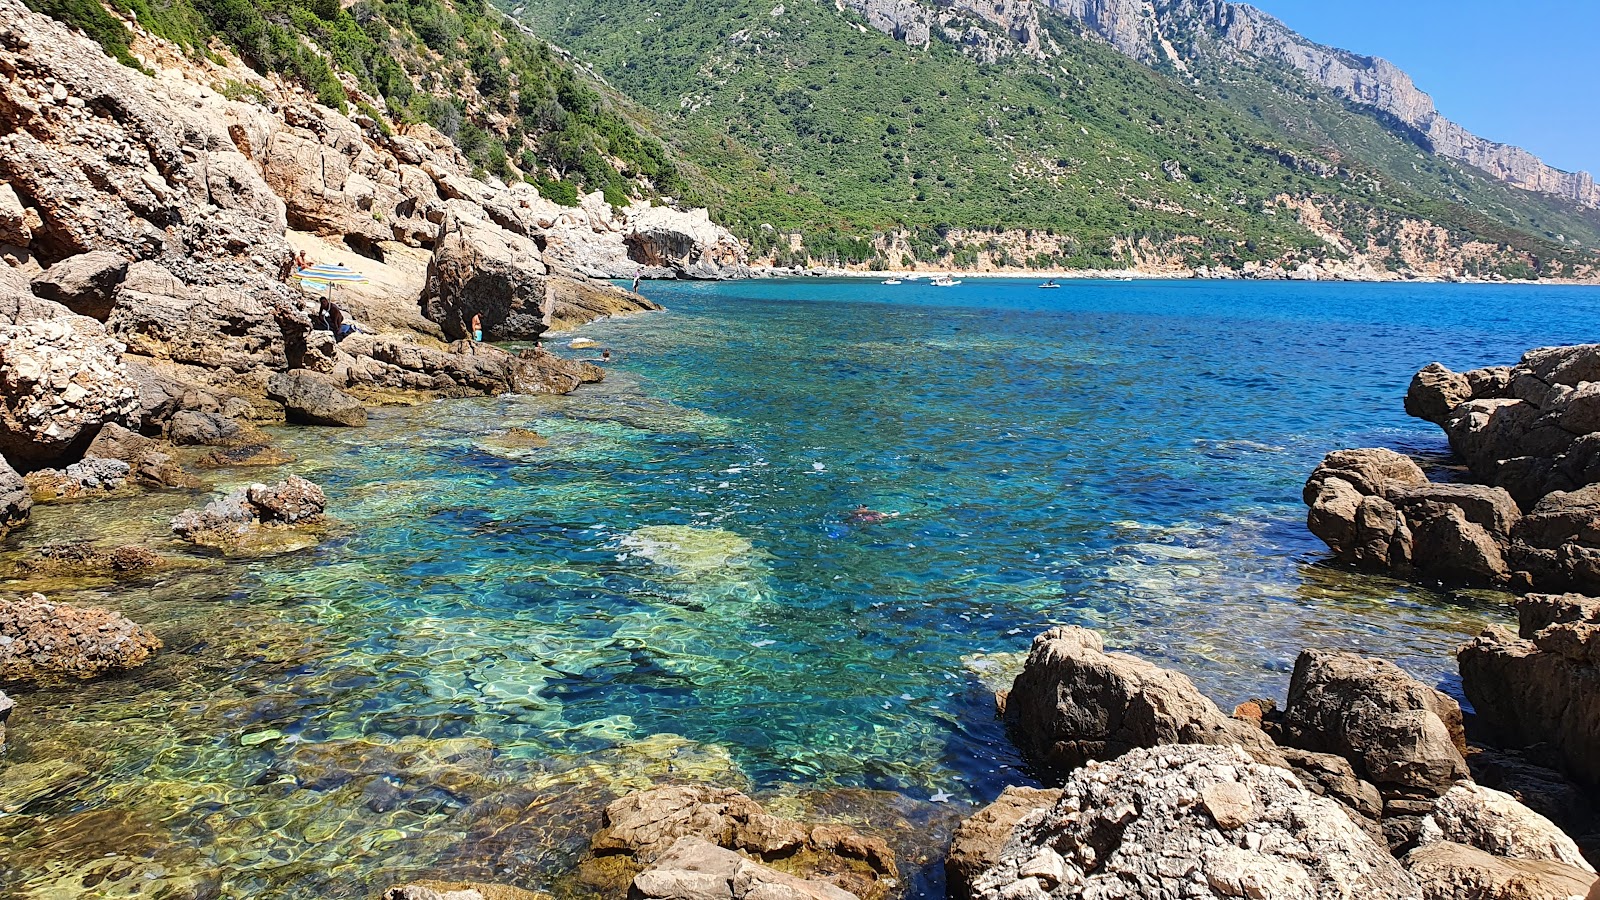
[509, 101]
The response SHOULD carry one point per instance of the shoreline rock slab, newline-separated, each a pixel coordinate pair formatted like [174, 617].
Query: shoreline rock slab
[1448, 871]
[40, 640]
[1181, 821]
[254, 518]
[1074, 703]
[311, 399]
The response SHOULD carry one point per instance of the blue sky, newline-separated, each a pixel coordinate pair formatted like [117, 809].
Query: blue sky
[1524, 72]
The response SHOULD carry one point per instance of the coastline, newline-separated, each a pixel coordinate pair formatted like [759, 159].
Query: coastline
[1138, 275]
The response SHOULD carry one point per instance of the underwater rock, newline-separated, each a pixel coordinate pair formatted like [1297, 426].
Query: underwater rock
[23, 783]
[1074, 702]
[978, 842]
[84, 558]
[1182, 821]
[648, 826]
[87, 478]
[255, 518]
[245, 456]
[689, 550]
[40, 640]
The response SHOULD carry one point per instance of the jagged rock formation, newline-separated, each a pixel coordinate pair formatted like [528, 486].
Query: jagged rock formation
[255, 518]
[1190, 821]
[1152, 31]
[1538, 685]
[978, 843]
[40, 640]
[58, 384]
[1496, 823]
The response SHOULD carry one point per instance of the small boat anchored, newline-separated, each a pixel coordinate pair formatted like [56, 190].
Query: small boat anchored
[1049, 285]
[944, 281]
[892, 281]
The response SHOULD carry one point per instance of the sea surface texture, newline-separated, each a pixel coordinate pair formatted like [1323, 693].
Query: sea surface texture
[664, 581]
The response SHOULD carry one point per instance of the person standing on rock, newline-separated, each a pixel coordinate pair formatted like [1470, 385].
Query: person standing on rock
[637, 274]
[477, 332]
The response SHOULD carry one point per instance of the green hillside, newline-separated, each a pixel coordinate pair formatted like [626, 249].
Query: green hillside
[799, 116]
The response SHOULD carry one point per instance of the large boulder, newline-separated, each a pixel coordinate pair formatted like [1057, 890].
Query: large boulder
[58, 384]
[1496, 823]
[311, 399]
[1190, 821]
[696, 869]
[976, 846]
[160, 315]
[1450, 871]
[85, 284]
[1074, 703]
[1541, 686]
[1396, 732]
[40, 640]
[1556, 546]
[16, 499]
[1435, 392]
[1375, 508]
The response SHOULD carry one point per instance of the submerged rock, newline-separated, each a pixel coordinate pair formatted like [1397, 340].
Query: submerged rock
[1182, 821]
[88, 477]
[40, 640]
[459, 890]
[83, 558]
[1074, 703]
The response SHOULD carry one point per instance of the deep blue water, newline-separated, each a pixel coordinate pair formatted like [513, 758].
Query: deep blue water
[678, 555]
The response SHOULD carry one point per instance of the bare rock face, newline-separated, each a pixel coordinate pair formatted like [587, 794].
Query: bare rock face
[686, 243]
[1375, 508]
[1449, 871]
[1435, 391]
[311, 399]
[1539, 686]
[1396, 732]
[649, 827]
[1496, 823]
[1183, 821]
[40, 640]
[1074, 703]
[158, 315]
[385, 361]
[696, 869]
[16, 500]
[85, 284]
[977, 844]
[1557, 545]
[58, 384]
[88, 477]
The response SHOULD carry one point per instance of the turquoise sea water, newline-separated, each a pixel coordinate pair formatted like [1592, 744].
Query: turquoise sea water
[502, 633]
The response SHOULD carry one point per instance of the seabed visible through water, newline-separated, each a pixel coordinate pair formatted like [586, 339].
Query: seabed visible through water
[503, 632]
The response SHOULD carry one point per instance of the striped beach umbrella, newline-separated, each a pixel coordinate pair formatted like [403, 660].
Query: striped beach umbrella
[329, 274]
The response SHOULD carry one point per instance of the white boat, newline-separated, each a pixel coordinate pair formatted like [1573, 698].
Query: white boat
[891, 281]
[913, 277]
[944, 281]
[1049, 285]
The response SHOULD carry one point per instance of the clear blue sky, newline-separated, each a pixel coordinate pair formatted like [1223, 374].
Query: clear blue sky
[1524, 72]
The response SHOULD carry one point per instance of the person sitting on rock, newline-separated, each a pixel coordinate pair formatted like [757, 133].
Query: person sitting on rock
[331, 318]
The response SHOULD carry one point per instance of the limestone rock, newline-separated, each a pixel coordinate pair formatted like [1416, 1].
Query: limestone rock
[1396, 732]
[250, 518]
[210, 429]
[687, 243]
[1435, 392]
[1496, 823]
[1141, 826]
[977, 843]
[1538, 686]
[40, 640]
[1538, 787]
[695, 869]
[6, 705]
[85, 284]
[57, 385]
[310, 399]
[150, 461]
[87, 477]
[459, 890]
[1074, 703]
[1557, 544]
[16, 499]
[1447, 871]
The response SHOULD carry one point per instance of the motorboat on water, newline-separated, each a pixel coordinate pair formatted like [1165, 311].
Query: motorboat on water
[1049, 285]
[891, 281]
[944, 281]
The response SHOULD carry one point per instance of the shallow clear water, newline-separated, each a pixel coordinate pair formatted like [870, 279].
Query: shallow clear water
[503, 633]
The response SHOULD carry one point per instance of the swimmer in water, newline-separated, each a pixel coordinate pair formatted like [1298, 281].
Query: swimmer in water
[861, 515]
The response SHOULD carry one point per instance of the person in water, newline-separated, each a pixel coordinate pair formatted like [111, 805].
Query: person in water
[605, 356]
[861, 515]
[477, 332]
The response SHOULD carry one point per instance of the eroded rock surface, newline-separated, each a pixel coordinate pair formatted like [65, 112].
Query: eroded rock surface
[977, 844]
[1449, 871]
[311, 399]
[254, 517]
[1182, 821]
[58, 384]
[1497, 824]
[40, 640]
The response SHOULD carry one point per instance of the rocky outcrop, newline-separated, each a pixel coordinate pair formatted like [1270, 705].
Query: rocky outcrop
[150, 462]
[88, 477]
[1184, 821]
[1450, 871]
[1375, 508]
[977, 844]
[85, 284]
[1396, 732]
[688, 244]
[1496, 823]
[649, 829]
[40, 640]
[696, 869]
[1538, 686]
[1074, 703]
[311, 399]
[16, 500]
[246, 519]
[58, 384]
[85, 559]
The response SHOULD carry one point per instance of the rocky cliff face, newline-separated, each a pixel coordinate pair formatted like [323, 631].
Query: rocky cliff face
[1152, 30]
